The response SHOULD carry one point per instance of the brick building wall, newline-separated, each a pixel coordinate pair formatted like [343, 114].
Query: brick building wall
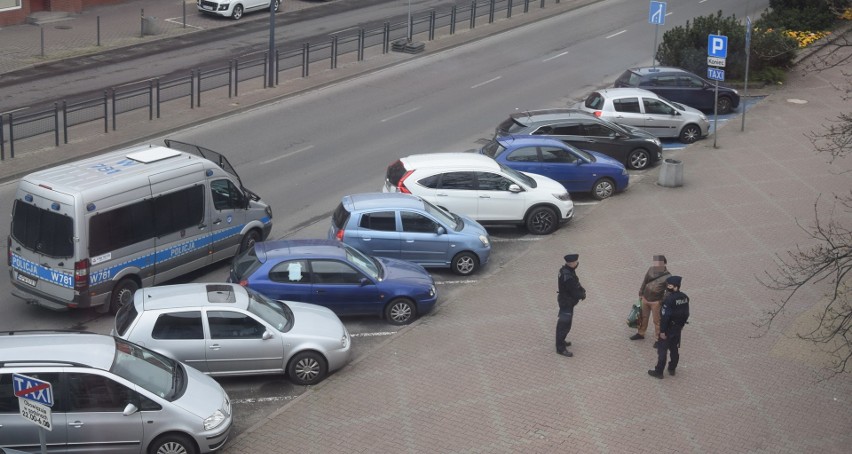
[19, 16]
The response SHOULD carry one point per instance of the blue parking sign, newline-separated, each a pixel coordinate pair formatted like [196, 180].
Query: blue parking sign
[715, 74]
[657, 13]
[717, 46]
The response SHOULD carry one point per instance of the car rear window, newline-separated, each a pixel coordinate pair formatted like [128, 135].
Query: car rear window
[510, 126]
[595, 101]
[628, 79]
[42, 230]
[340, 217]
[493, 149]
[124, 318]
[244, 264]
[395, 172]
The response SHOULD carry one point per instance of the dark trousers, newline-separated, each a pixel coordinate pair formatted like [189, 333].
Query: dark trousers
[563, 327]
[668, 346]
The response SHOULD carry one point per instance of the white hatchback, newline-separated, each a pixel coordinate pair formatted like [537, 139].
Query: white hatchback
[235, 8]
[649, 111]
[481, 188]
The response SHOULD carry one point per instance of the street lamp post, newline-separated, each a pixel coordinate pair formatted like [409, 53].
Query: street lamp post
[271, 58]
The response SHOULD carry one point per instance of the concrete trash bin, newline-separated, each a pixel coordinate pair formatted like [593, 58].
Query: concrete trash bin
[149, 26]
[671, 174]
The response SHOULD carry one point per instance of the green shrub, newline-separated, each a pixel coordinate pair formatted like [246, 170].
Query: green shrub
[770, 75]
[686, 46]
[772, 48]
[810, 15]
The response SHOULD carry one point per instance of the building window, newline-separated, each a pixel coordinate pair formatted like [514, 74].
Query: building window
[10, 4]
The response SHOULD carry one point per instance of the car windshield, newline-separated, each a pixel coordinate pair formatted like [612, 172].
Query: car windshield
[158, 374]
[676, 105]
[585, 154]
[364, 262]
[526, 179]
[615, 126]
[276, 313]
[444, 217]
[493, 149]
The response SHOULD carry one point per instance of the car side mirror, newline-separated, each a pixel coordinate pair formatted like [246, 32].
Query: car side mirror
[267, 335]
[129, 410]
[514, 188]
[440, 230]
[364, 281]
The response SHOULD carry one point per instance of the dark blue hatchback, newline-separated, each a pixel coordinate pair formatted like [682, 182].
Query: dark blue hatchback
[577, 170]
[335, 275]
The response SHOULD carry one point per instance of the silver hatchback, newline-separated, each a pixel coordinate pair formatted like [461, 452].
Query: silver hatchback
[108, 396]
[649, 111]
[226, 329]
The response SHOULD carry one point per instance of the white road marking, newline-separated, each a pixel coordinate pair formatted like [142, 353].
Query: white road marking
[615, 34]
[555, 56]
[254, 400]
[344, 30]
[702, 1]
[512, 240]
[179, 21]
[287, 155]
[585, 203]
[669, 14]
[401, 114]
[384, 333]
[466, 281]
[487, 82]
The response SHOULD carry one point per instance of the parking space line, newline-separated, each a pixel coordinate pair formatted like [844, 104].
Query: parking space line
[585, 203]
[400, 114]
[487, 82]
[615, 34]
[555, 56]
[379, 334]
[465, 281]
[512, 240]
[179, 21]
[287, 155]
[253, 400]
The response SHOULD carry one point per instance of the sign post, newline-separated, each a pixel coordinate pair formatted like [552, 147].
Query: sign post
[656, 16]
[35, 397]
[745, 87]
[717, 51]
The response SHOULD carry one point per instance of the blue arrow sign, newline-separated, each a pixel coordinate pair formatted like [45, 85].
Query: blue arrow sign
[715, 74]
[33, 389]
[717, 46]
[657, 13]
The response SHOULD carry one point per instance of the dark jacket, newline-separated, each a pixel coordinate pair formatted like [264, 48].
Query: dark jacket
[654, 285]
[674, 313]
[570, 290]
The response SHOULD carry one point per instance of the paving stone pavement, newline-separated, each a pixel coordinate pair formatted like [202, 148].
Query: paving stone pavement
[480, 375]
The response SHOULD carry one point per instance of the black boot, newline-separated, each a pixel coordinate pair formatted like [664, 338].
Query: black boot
[655, 374]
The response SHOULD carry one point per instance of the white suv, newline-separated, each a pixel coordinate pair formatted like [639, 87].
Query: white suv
[483, 189]
[235, 8]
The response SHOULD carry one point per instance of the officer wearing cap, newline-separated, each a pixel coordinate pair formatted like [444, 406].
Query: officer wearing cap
[570, 293]
[674, 315]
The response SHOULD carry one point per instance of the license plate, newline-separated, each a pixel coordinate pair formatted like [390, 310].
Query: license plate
[27, 280]
[208, 8]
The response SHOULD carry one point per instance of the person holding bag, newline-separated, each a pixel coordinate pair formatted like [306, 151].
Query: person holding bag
[651, 293]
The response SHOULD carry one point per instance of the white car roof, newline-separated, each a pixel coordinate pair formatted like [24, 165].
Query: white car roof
[191, 295]
[623, 92]
[462, 161]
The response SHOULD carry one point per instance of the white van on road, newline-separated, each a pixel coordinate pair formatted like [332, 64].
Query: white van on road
[91, 232]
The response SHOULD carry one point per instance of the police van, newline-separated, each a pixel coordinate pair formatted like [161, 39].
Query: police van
[92, 232]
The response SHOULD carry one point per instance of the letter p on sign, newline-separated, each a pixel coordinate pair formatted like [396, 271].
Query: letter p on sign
[717, 46]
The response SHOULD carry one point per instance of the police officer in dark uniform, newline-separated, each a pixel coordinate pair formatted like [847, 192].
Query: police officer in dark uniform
[570, 293]
[674, 315]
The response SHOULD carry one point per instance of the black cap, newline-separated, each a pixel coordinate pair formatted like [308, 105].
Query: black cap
[572, 257]
[674, 280]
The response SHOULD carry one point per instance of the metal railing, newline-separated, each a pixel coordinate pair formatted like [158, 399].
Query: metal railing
[157, 94]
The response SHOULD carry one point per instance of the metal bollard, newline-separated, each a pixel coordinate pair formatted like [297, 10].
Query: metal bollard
[671, 174]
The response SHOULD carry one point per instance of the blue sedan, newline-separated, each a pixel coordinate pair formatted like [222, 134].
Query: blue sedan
[335, 275]
[577, 170]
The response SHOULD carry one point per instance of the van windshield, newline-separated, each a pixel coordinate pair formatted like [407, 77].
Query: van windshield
[148, 369]
[42, 231]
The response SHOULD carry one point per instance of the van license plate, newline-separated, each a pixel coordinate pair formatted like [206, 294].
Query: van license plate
[27, 280]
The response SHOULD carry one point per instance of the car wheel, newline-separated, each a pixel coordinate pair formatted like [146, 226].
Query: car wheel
[603, 189]
[542, 220]
[122, 294]
[249, 240]
[307, 368]
[465, 263]
[400, 311]
[276, 5]
[238, 12]
[724, 104]
[638, 159]
[690, 133]
[173, 444]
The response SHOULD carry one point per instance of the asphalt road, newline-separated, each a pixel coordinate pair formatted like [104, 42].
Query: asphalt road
[304, 153]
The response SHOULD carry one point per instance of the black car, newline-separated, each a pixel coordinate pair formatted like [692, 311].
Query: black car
[681, 86]
[634, 147]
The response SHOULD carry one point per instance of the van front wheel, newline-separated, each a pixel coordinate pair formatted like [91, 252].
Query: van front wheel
[250, 238]
[122, 295]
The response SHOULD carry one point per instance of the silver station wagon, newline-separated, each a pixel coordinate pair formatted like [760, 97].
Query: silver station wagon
[225, 329]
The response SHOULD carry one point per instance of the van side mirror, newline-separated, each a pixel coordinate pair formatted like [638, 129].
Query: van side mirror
[514, 188]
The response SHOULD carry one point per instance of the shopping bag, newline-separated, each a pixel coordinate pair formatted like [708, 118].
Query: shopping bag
[635, 312]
